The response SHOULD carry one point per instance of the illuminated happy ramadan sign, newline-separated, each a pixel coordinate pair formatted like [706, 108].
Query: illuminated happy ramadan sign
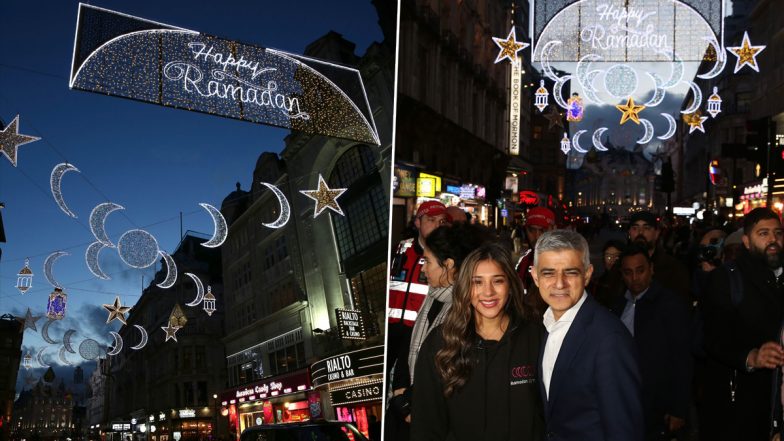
[116, 54]
[626, 30]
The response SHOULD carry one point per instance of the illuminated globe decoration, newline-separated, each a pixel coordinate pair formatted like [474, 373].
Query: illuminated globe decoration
[138, 248]
[90, 349]
[55, 308]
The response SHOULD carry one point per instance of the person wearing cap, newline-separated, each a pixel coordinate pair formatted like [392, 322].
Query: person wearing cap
[408, 285]
[538, 220]
[669, 272]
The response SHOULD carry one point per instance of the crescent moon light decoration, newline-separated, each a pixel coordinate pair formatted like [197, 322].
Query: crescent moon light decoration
[62, 357]
[40, 358]
[55, 183]
[721, 61]
[98, 221]
[576, 141]
[118, 344]
[586, 77]
[49, 263]
[171, 271]
[646, 138]
[677, 72]
[45, 332]
[697, 97]
[658, 93]
[220, 232]
[285, 210]
[91, 258]
[545, 57]
[199, 290]
[67, 340]
[143, 342]
[597, 139]
[672, 128]
[557, 94]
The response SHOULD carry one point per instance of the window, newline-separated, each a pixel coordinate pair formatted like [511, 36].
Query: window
[188, 393]
[287, 359]
[177, 396]
[200, 357]
[186, 357]
[201, 394]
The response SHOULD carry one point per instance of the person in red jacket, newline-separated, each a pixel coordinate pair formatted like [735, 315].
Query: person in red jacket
[538, 220]
[407, 285]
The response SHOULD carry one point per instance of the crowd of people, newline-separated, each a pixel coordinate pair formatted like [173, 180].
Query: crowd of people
[523, 339]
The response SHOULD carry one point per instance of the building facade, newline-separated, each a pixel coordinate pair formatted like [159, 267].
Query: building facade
[44, 412]
[286, 283]
[10, 358]
[166, 390]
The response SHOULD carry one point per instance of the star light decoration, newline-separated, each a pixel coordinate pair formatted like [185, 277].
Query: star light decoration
[29, 321]
[746, 54]
[325, 197]
[695, 123]
[11, 139]
[509, 47]
[116, 311]
[171, 332]
[555, 117]
[630, 111]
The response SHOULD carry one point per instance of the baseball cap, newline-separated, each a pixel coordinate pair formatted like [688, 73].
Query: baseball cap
[645, 216]
[431, 208]
[540, 217]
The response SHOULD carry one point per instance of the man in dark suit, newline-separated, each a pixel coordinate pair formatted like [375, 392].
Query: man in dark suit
[658, 319]
[742, 326]
[590, 381]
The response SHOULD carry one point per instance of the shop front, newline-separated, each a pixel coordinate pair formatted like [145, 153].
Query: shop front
[274, 400]
[353, 381]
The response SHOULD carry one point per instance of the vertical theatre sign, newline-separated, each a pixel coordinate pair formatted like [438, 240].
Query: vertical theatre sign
[120, 55]
[514, 107]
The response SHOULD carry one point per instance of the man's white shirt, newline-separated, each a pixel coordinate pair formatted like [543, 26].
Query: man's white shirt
[556, 330]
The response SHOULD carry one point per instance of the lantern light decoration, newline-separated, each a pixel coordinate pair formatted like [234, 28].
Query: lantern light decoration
[27, 361]
[24, 280]
[541, 96]
[55, 308]
[575, 107]
[566, 144]
[714, 103]
[209, 301]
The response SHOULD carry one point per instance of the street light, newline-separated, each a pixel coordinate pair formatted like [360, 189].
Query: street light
[215, 415]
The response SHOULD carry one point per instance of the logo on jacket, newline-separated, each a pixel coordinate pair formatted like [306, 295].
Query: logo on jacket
[524, 374]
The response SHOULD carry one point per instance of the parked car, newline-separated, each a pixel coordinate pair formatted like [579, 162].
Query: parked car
[307, 431]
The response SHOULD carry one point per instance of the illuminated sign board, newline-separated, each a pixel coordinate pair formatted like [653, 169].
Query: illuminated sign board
[360, 363]
[454, 189]
[528, 197]
[404, 182]
[187, 413]
[351, 324]
[514, 107]
[370, 391]
[273, 386]
[120, 55]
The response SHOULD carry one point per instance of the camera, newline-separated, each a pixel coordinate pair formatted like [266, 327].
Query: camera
[710, 253]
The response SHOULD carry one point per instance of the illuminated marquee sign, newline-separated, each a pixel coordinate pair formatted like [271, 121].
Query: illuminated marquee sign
[351, 324]
[627, 30]
[120, 55]
[187, 413]
[428, 185]
[370, 391]
[121, 427]
[364, 362]
[273, 386]
[514, 107]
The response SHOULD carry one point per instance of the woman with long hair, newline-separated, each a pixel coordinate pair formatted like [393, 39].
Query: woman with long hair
[444, 251]
[476, 374]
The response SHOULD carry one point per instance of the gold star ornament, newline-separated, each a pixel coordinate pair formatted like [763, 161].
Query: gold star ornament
[630, 111]
[746, 53]
[11, 139]
[325, 197]
[509, 47]
[116, 311]
[696, 123]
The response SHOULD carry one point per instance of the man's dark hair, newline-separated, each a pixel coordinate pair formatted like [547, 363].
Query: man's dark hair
[634, 249]
[755, 216]
[457, 241]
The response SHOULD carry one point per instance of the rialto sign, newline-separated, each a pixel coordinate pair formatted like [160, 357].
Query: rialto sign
[364, 362]
[121, 55]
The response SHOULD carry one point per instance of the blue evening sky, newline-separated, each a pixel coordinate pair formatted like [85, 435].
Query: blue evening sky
[157, 162]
